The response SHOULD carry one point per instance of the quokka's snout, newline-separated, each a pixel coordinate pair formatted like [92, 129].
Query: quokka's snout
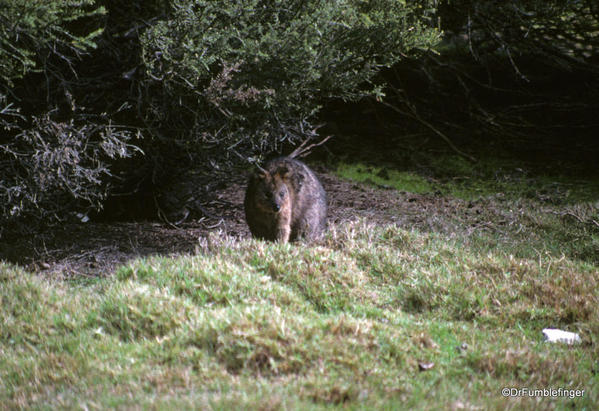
[285, 201]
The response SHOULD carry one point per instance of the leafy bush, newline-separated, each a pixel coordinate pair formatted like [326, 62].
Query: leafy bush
[32, 30]
[54, 167]
[53, 155]
[231, 79]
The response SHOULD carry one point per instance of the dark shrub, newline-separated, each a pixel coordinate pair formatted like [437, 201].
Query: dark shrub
[234, 78]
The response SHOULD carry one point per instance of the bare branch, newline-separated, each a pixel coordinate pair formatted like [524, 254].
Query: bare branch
[302, 151]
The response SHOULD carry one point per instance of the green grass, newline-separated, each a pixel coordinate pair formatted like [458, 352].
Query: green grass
[451, 175]
[345, 323]
[385, 178]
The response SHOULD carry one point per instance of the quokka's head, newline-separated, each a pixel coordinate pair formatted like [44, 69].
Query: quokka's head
[272, 194]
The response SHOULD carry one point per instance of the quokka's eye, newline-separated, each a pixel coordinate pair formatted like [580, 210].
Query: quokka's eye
[282, 194]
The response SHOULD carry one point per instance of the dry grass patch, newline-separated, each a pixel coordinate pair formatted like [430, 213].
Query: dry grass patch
[264, 341]
[135, 311]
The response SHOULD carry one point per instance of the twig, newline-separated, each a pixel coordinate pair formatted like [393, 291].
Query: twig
[302, 151]
[253, 161]
[415, 116]
[576, 217]
[162, 214]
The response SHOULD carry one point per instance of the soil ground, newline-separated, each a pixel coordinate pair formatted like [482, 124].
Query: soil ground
[96, 249]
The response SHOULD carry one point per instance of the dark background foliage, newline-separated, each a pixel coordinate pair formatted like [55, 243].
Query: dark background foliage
[524, 74]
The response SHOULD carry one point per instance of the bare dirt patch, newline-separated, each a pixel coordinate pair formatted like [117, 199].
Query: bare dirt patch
[96, 249]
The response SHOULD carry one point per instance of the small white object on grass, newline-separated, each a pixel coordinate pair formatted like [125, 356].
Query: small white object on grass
[83, 217]
[555, 335]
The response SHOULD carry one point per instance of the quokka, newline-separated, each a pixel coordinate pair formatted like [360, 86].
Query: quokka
[285, 201]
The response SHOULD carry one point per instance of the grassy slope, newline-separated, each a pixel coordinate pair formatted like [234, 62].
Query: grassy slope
[347, 322]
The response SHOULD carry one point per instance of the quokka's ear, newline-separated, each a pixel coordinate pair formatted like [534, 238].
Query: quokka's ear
[283, 171]
[295, 177]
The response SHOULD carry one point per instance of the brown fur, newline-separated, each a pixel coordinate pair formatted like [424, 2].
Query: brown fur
[285, 201]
